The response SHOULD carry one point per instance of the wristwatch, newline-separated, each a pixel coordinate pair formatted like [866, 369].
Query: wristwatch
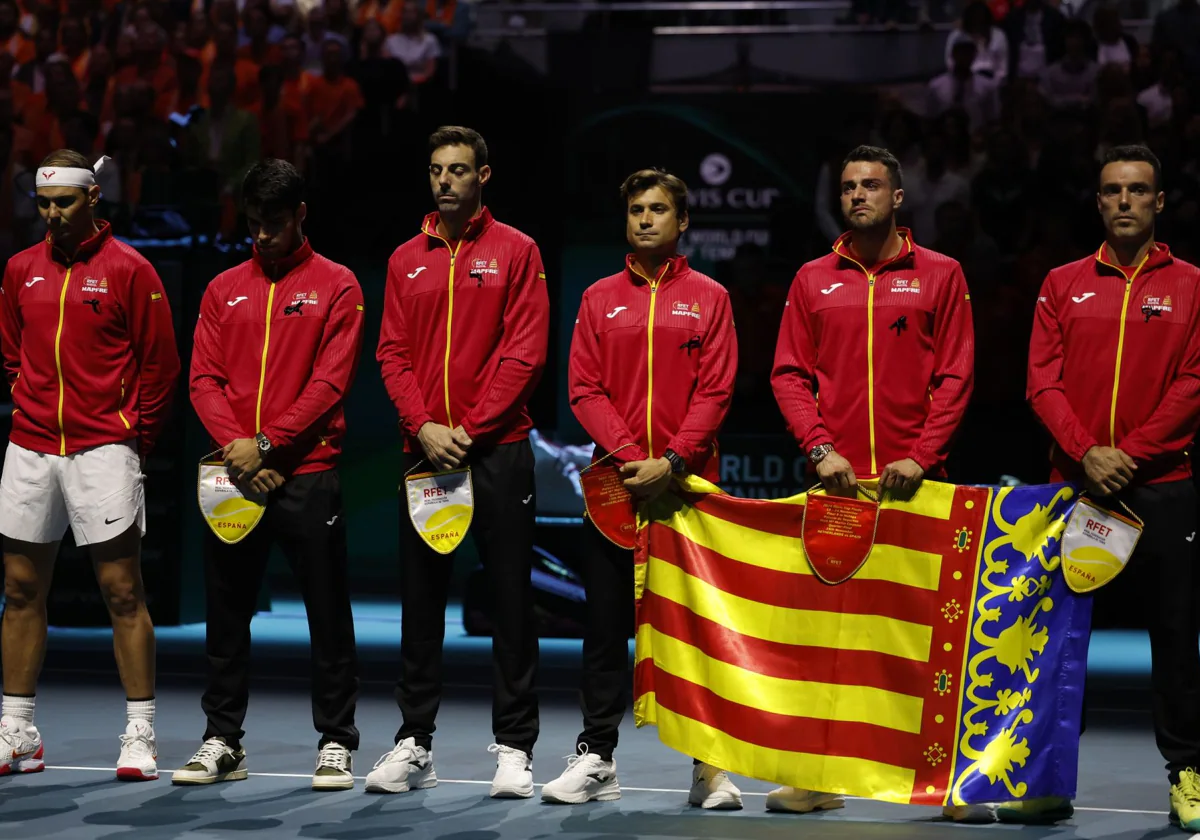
[677, 464]
[264, 445]
[817, 454]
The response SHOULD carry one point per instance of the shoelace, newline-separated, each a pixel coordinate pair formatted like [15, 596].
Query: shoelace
[509, 757]
[1189, 784]
[138, 745]
[333, 755]
[400, 752]
[580, 761]
[210, 751]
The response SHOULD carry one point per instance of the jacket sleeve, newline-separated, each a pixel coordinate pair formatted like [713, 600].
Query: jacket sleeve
[589, 398]
[794, 377]
[1169, 430]
[953, 373]
[395, 360]
[714, 389]
[152, 333]
[522, 351]
[10, 329]
[207, 378]
[1046, 393]
[332, 371]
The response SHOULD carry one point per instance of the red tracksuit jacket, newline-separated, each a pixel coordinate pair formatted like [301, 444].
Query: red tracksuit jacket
[888, 352]
[464, 333]
[89, 347]
[276, 350]
[1115, 361]
[653, 363]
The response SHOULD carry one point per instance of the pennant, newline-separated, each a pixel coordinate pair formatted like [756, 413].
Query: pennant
[230, 512]
[1097, 545]
[837, 534]
[441, 507]
[609, 505]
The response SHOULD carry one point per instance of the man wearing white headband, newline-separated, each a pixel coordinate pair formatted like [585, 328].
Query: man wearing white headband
[89, 350]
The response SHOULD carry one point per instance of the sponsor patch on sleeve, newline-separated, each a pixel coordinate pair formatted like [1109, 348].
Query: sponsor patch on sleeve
[156, 296]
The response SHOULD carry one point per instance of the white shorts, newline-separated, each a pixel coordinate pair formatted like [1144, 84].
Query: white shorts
[97, 491]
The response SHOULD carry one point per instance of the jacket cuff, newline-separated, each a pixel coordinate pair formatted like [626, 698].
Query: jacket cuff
[278, 439]
[412, 425]
[1080, 448]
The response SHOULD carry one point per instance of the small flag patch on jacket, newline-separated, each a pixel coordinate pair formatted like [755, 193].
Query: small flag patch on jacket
[156, 296]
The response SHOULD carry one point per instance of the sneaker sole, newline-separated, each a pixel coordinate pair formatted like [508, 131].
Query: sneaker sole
[605, 794]
[723, 802]
[333, 784]
[401, 787]
[1193, 825]
[1048, 818]
[828, 805]
[512, 793]
[235, 776]
[136, 774]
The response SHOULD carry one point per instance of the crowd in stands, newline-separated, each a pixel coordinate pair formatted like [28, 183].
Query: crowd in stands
[184, 95]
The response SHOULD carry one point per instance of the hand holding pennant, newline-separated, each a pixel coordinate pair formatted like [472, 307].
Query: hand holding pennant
[608, 503]
[838, 534]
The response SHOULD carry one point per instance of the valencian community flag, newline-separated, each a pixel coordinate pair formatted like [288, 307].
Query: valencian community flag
[948, 670]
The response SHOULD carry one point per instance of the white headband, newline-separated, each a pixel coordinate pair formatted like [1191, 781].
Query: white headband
[69, 176]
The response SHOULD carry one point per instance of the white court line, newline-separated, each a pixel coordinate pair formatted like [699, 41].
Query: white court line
[537, 785]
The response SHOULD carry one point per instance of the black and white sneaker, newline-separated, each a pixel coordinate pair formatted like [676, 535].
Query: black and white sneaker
[407, 767]
[588, 778]
[215, 761]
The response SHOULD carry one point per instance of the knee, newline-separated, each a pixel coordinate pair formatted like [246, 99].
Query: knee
[123, 599]
[21, 592]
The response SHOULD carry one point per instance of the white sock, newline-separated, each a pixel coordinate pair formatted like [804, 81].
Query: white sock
[20, 708]
[140, 710]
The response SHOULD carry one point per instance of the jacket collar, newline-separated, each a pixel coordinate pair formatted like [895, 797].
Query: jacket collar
[475, 227]
[280, 269]
[908, 248]
[1157, 257]
[672, 268]
[86, 250]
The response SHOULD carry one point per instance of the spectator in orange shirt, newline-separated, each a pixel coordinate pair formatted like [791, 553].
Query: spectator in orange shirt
[152, 65]
[335, 100]
[297, 85]
[73, 35]
[283, 124]
[12, 39]
[390, 13]
[317, 32]
[258, 26]
[245, 71]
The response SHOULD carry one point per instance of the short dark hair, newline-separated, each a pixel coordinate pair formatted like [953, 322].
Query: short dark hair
[877, 154]
[646, 179]
[273, 184]
[67, 157]
[1138, 153]
[458, 135]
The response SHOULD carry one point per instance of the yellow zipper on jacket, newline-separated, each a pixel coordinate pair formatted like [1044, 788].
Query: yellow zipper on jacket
[870, 355]
[650, 356]
[449, 314]
[119, 412]
[62, 385]
[262, 373]
[1112, 413]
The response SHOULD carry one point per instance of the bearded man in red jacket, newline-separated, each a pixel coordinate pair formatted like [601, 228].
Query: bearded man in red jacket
[89, 351]
[276, 349]
[652, 367]
[1114, 375]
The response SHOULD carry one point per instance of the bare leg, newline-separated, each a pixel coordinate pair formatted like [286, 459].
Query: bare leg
[28, 569]
[118, 566]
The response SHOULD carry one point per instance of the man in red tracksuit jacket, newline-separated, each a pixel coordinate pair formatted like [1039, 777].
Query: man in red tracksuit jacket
[276, 348]
[652, 368]
[1114, 375]
[89, 351]
[465, 324]
[879, 332]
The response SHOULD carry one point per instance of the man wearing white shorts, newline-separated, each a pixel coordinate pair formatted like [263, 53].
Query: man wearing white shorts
[89, 351]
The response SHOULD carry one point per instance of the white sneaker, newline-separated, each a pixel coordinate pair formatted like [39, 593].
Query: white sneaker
[334, 768]
[795, 800]
[407, 767]
[215, 761]
[138, 761]
[21, 747]
[712, 790]
[977, 814]
[588, 778]
[514, 773]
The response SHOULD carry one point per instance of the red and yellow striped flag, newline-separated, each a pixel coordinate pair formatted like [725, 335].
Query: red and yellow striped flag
[747, 661]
